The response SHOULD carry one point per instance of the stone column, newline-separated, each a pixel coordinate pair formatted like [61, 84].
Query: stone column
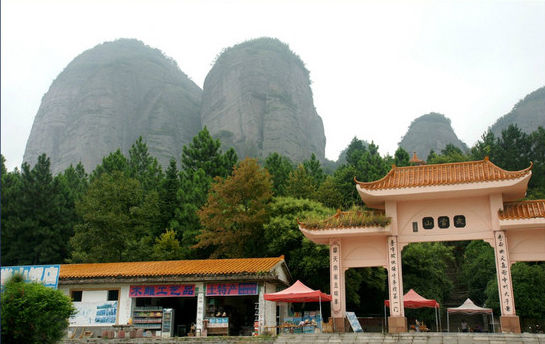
[336, 270]
[396, 321]
[509, 320]
[200, 307]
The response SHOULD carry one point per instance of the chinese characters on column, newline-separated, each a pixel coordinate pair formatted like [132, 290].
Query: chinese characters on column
[503, 268]
[200, 308]
[394, 278]
[335, 257]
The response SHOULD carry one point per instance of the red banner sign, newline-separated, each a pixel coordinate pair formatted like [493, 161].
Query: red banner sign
[171, 290]
[231, 289]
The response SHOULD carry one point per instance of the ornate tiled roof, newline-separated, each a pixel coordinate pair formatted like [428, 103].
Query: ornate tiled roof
[523, 210]
[170, 268]
[443, 174]
[349, 219]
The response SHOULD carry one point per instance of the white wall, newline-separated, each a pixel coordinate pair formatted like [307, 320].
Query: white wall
[99, 293]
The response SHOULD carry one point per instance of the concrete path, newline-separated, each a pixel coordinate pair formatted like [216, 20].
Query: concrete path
[410, 338]
[352, 338]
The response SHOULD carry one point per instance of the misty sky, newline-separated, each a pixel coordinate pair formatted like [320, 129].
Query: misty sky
[374, 65]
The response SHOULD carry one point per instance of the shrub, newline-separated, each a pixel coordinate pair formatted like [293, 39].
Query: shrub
[33, 313]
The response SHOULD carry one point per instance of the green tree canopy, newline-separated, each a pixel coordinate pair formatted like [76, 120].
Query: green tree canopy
[279, 168]
[478, 269]
[33, 313]
[235, 212]
[307, 261]
[119, 221]
[37, 221]
[300, 183]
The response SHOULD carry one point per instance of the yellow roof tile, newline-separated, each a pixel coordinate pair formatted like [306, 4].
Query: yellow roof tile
[443, 174]
[523, 210]
[169, 268]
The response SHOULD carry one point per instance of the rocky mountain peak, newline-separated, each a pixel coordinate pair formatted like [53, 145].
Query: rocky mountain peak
[106, 98]
[430, 132]
[257, 99]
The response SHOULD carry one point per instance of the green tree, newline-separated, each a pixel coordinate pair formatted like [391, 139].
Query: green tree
[143, 167]
[205, 153]
[328, 194]
[300, 183]
[115, 161]
[75, 180]
[401, 157]
[528, 287]
[512, 149]
[425, 269]
[235, 212]
[485, 147]
[119, 221]
[202, 160]
[355, 151]
[306, 260]
[450, 153]
[314, 170]
[478, 269]
[344, 182]
[536, 187]
[33, 313]
[167, 247]
[168, 196]
[37, 219]
[10, 200]
[279, 168]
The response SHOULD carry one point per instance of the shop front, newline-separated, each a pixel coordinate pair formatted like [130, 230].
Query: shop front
[175, 298]
[170, 309]
[232, 308]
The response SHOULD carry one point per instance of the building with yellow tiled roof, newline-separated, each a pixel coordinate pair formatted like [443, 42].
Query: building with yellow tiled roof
[214, 296]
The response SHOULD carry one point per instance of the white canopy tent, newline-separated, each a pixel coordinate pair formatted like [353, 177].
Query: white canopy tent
[468, 307]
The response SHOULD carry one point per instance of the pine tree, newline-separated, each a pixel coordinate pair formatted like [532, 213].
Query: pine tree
[279, 168]
[38, 219]
[143, 167]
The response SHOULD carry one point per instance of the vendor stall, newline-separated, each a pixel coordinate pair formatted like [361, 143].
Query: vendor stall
[468, 307]
[299, 292]
[413, 300]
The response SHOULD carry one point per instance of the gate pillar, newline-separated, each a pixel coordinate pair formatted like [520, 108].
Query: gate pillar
[337, 287]
[509, 321]
[397, 322]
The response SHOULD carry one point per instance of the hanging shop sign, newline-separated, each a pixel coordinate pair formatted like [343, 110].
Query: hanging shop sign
[170, 290]
[48, 275]
[231, 289]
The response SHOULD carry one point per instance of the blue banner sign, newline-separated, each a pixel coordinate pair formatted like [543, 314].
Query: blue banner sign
[231, 289]
[48, 275]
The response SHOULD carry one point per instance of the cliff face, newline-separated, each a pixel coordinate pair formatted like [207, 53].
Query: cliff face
[528, 114]
[430, 132]
[257, 99]
[109, 96]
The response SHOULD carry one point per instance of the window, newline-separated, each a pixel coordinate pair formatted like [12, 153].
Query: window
[113, 295]
[76, 295]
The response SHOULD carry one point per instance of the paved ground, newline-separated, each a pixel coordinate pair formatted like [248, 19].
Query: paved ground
[354, 338]
[420, 338]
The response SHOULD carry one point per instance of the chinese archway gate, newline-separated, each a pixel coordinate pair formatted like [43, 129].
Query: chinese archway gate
[473, 200]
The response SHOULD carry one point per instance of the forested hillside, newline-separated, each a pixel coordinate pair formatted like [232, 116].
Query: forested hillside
[214, 205]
